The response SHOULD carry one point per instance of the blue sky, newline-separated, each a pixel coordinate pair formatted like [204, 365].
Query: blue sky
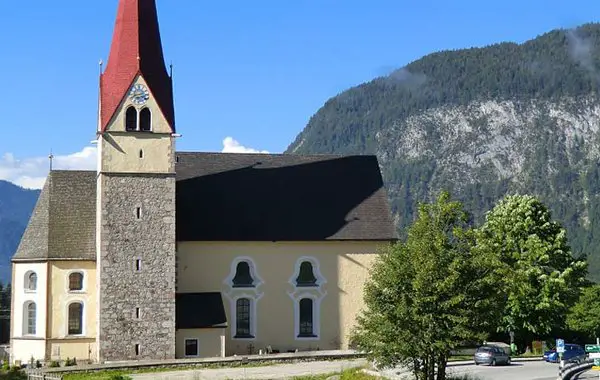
[252, 71]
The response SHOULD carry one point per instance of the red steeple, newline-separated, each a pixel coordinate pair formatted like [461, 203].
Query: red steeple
[136, 49]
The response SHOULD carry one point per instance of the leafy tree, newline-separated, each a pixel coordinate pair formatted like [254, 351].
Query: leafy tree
[542, 280]
[429, 294]
[584, 316]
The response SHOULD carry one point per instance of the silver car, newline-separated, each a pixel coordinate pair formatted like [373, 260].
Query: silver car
[491, 355]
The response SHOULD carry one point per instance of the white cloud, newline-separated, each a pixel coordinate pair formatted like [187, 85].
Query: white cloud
[31, 172]
[230, 145]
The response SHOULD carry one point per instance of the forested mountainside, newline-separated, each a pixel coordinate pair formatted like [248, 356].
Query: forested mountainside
[16, 205]
[481, 123]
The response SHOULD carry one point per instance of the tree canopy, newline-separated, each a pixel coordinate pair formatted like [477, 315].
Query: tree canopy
[429, 294]
[584, 316]
[542, 280]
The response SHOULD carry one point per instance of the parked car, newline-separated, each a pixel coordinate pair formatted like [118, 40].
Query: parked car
[548, 353]
[574, 353]
[491, 355]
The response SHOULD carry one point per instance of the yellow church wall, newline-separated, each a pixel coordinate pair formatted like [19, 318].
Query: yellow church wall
[61, 345]
[340, 267]
[81, 349]
[120, 150]
[209, 342]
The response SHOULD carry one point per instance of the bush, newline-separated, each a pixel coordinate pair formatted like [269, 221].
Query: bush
[54, 364]
[120, 377]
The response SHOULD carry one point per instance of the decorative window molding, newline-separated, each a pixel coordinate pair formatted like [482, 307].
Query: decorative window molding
[301, 323]
[236, 288]
[76, 281]
[191, 348]
[300, 270]
[75, 318]
[241, 262]
[307, 283]
[30, 281]
[29, 318]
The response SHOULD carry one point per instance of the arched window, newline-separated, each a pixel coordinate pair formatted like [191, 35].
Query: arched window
[29, 323]
[131, 119]
[243, 278]
[76, 318]
[306, 277]
[242, 318]
[306, 318]
[76, 281]
[145, 120]
[31, 281]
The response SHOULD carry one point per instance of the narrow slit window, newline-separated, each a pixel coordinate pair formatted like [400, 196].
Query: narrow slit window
[137, 350]
[138, 212]
[138, 265]
[137, 313]
[141, 153]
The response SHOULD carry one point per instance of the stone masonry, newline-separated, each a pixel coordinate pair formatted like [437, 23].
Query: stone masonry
[136, 266]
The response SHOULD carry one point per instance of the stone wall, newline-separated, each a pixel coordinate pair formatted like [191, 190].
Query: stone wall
[136, 265]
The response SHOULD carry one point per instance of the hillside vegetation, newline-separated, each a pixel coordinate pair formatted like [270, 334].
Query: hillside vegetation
[482, 123]
[16, 205]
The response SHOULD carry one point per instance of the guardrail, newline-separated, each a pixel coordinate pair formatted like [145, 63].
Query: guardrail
[568, 371]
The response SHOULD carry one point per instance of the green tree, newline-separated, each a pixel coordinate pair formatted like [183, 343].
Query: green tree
[429, 294]
[584, 316]
[542, 279]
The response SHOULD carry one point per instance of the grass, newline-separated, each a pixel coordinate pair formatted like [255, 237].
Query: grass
[349, 374]
[111, 374]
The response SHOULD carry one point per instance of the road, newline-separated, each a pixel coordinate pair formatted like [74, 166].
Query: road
[537, 370]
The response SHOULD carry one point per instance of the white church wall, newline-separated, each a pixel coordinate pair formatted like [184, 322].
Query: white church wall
[27, 343]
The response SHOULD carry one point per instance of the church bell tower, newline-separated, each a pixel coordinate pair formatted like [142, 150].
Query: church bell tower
[135, 221]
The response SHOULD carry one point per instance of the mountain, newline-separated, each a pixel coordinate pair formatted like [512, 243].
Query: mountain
[481, 123]
[16, 205]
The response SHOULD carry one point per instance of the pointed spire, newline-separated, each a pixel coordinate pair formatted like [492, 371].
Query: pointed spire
[136, 49]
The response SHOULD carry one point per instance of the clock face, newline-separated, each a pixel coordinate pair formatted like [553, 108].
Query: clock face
[139, 94]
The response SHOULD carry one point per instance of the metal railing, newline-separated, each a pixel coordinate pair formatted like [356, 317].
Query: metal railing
[568, 371]
[43, 376]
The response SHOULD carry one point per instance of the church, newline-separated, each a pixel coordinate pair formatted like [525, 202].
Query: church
[161, 254]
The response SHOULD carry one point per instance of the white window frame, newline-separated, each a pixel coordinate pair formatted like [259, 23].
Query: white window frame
[197, 348]
[27, 281]
[254, 294]
[25, 328]
[83, 282]
[316, 309]
[316, 267]
[83, 324]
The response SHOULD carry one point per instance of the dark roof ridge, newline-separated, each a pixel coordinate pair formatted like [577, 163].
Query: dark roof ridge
[324, 155]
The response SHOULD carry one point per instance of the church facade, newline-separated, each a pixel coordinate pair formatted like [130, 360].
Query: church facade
[161, 254]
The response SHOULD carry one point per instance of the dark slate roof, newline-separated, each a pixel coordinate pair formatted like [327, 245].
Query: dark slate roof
[199, 310]
[281, 197]
[63, 222]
